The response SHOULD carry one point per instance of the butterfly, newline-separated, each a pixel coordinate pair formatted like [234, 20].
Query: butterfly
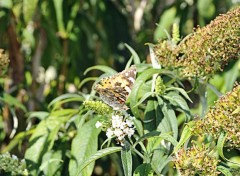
[114, 90]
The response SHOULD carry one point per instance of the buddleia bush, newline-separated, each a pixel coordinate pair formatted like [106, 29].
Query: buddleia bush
[206, 51]
[4, 61]
[154, 129]
[223, 117]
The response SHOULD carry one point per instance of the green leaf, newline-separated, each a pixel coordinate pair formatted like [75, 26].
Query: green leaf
[87, 80]
[143, 170]
[220, 144]
[146, 136]
[126, 157]
[16, 140]
[29, 7]
[150, 115]
[139, 126]
[52, 163]
[97, 155]
[182, 91]
[144, 97]
[142, 78]
[176, 100]
[38, 114]
[169, 138]
[164, 122]
[69, 97]
[59, 14]
[169, 114]
[129, 62]
[42, 141]
[74, 11]
[165, 23]
[159, 161]
[154, 145]
[84, 145]
[12, 101]
[136, 58]
[231, 76]
[186, 134]
[224, 170]
[102, 68]
[65, 112]
[156, 141]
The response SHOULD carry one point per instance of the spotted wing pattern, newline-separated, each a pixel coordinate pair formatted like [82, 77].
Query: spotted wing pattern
[114, 90]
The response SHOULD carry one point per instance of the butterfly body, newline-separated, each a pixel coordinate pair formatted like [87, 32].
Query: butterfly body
[114, 90]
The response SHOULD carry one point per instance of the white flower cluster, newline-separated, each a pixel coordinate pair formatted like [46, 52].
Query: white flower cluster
[120, 128]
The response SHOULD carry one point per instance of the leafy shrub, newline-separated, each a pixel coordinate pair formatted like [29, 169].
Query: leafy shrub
[80, 129]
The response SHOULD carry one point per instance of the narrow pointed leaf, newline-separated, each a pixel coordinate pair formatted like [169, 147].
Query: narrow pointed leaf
[186, 134]
[182, 91]
[97, 155]
[136, 58]
[102, 68]
[224, 170]
[126, 157]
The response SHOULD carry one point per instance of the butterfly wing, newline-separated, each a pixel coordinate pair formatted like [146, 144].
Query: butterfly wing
[114, 90]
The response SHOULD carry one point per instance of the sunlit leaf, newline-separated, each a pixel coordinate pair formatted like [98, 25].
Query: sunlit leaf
[136, 58]
[87, 80]
[84, 145]
[42, 141]
[224, 170]
[102, 68]
[52, 163]
[97, 155]
[65, 98]
[38, 114]
[220, 145]
[186, 134]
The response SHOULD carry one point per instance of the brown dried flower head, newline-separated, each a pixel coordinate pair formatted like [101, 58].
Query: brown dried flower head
[223, 117]
[198, 159]
[206, 51]
[4, 61]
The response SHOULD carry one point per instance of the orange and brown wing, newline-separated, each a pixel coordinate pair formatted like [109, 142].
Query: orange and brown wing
[115, 89]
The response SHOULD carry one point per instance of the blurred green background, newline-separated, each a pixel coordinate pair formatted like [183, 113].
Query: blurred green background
[51, 43]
